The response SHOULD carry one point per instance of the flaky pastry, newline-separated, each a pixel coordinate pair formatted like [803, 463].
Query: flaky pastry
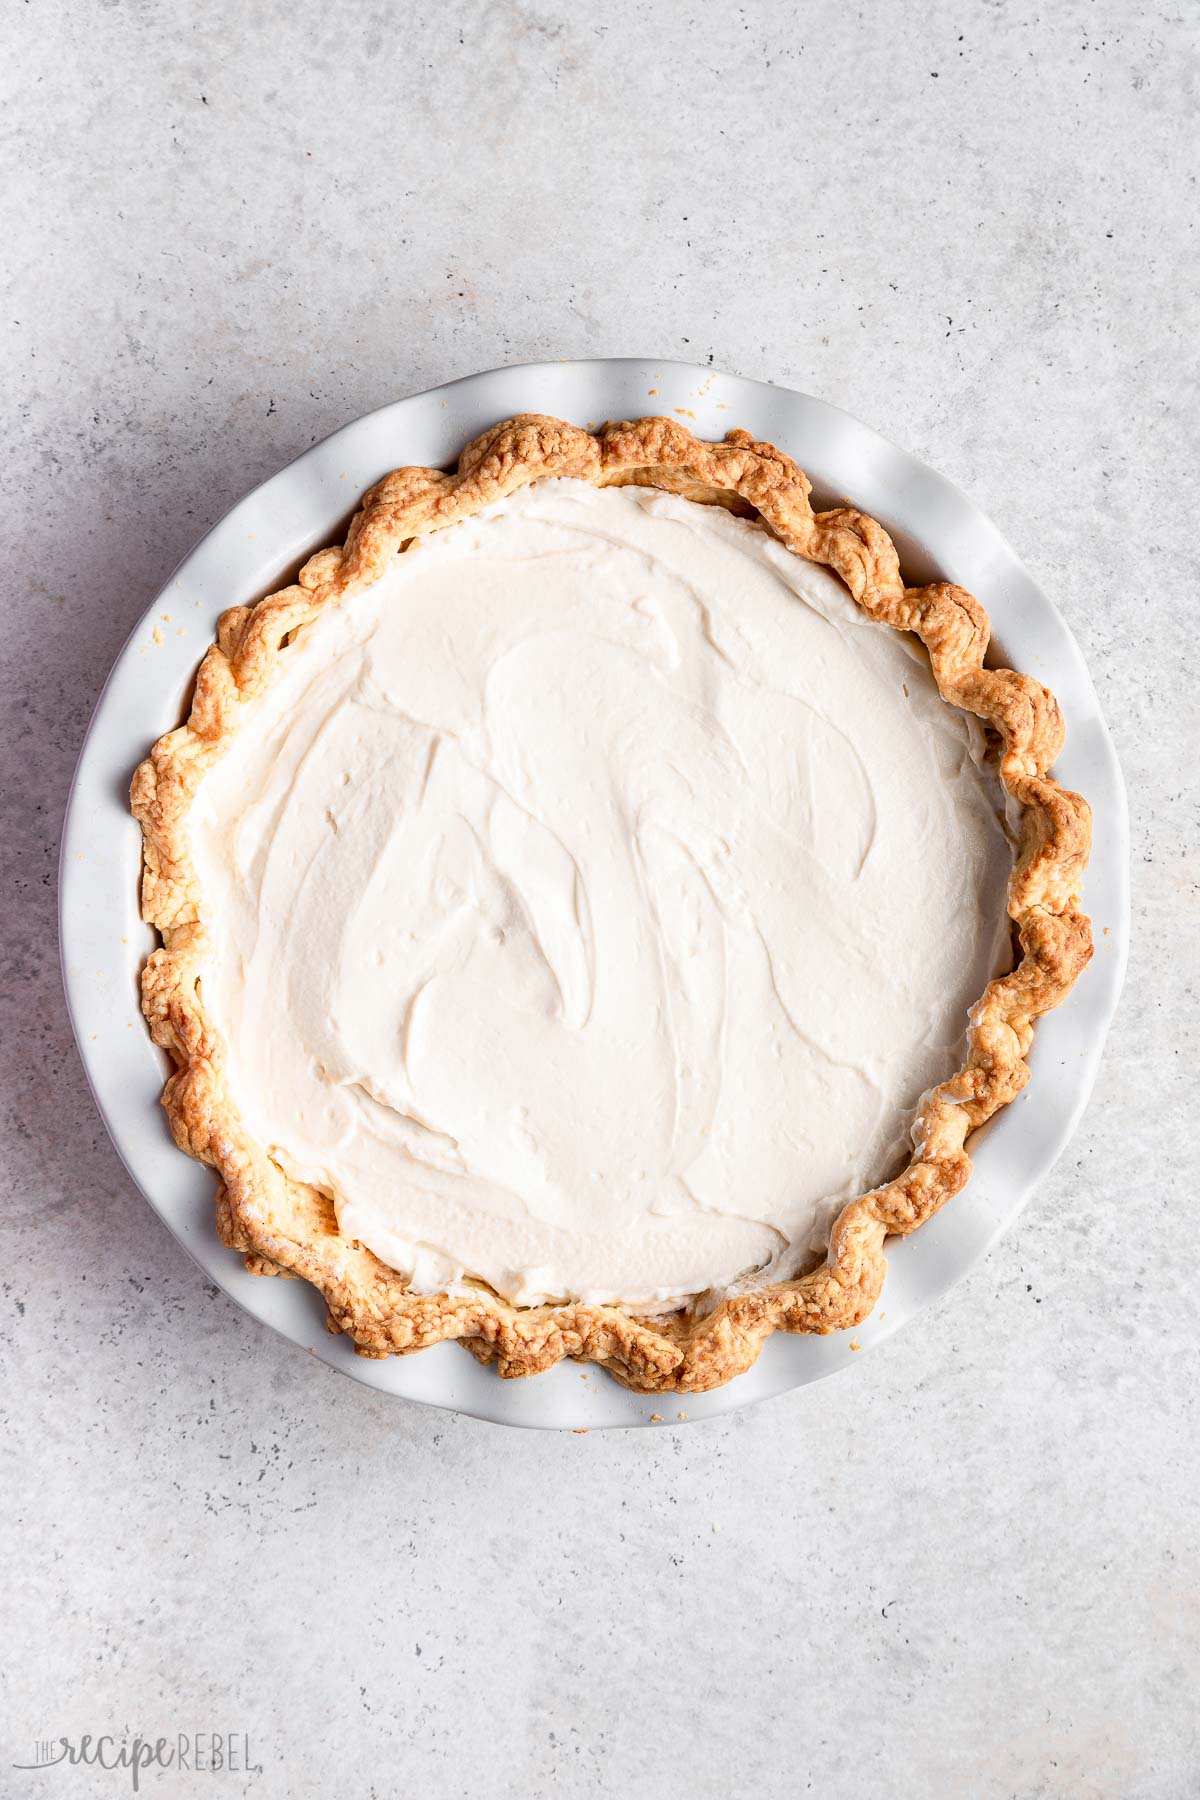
[286, 1228]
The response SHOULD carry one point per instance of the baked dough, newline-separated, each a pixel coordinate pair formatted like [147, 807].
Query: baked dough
[287, 1228]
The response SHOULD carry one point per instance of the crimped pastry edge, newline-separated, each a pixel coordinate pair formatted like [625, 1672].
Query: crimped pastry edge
[285, 1228]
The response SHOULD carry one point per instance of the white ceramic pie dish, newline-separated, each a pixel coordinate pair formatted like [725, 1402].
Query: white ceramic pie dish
[258, 545]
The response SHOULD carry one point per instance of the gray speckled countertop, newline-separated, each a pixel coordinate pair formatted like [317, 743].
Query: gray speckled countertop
[968, 1567]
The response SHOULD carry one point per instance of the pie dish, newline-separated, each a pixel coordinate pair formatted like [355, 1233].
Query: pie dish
[285, 1223]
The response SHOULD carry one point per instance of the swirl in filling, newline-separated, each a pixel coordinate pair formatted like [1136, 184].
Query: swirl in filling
[592, 898]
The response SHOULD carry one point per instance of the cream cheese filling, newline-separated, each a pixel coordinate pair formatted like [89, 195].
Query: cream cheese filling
[593, 897]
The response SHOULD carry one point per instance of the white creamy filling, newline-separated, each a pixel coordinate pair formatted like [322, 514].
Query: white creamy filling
[593, 897]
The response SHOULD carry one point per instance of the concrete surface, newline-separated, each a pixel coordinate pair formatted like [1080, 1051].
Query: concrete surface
[970, 1566]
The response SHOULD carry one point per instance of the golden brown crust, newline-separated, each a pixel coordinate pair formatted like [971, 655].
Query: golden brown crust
[285, 1228]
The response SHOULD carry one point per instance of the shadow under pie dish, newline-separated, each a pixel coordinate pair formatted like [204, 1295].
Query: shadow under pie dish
[571, 890]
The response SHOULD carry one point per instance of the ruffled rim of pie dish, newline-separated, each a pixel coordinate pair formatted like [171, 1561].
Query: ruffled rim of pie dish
[283, 1227]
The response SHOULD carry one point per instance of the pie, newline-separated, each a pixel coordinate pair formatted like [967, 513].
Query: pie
[598, 902]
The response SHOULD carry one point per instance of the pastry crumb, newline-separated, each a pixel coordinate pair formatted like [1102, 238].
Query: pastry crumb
[656, 1418]
[854, 1344]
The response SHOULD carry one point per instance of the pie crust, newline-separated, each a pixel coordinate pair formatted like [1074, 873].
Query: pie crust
[285, 1228]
